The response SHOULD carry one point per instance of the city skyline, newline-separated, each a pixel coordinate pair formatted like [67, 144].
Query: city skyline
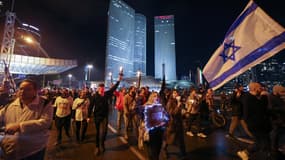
[78, 30]
[269, 73]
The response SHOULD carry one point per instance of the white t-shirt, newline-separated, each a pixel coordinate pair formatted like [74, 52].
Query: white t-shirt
[81, 108]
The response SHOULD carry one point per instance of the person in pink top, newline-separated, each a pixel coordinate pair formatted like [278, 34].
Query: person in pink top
[120, 106]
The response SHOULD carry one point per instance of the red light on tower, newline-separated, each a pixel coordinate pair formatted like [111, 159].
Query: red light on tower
[164, 17]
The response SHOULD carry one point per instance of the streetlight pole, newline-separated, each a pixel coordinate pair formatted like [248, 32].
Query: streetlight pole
[89, 67]
[69, 76]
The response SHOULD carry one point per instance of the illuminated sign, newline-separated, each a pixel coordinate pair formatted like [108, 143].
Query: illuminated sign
[164, 17]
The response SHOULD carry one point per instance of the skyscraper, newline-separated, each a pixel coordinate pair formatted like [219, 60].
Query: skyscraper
[164, 47]
[140, 44]
[126, 41]
[120, 39]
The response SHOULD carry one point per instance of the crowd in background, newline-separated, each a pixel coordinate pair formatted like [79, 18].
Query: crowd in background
[260, 113]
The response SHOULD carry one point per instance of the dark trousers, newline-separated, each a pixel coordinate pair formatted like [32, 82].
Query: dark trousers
[181, 143]
[177, 137]
[261, 148]
[81, 126]
[133, 122]
[37, 156]
[194, 119]
[62, 122]
[153, 146]
[101, 126]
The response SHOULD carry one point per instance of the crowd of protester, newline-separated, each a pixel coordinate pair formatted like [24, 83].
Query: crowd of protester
[260, 113]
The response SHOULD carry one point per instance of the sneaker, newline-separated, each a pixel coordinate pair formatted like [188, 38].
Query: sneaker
[229, 135]
[243, 154]
[189, 133]
[202, 135]
[281, 149]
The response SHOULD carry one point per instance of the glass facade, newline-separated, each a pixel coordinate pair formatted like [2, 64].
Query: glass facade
[164, 47]
[21, 64]
[140, 44]
[120, 39]
[126, 41]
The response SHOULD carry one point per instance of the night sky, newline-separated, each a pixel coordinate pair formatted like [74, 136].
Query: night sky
[77, 29]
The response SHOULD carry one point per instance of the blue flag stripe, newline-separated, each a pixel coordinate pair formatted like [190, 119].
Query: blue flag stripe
[271, 44]
[240, 19]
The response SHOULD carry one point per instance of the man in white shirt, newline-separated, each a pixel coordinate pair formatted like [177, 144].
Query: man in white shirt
[81, 106]
[63, 114]
[27, 121]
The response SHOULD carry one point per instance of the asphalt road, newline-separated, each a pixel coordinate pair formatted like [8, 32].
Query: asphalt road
[214, 147]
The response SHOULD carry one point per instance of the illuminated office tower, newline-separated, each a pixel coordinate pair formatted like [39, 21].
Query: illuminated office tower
[120, 40]
[140, 44]
[164, 47]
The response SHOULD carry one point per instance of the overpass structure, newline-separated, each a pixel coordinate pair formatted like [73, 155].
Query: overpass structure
[22, 64]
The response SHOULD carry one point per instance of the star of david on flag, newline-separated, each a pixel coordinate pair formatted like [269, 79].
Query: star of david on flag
[251, 39]
[229, 51]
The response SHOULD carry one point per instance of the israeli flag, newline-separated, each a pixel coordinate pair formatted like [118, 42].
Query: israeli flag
[252, 38]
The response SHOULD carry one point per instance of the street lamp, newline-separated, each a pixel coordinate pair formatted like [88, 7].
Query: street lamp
[33, 42]
[30, 40]
[69, 76]
[89, 67]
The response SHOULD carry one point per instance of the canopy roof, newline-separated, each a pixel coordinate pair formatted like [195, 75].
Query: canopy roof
[20, 64]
